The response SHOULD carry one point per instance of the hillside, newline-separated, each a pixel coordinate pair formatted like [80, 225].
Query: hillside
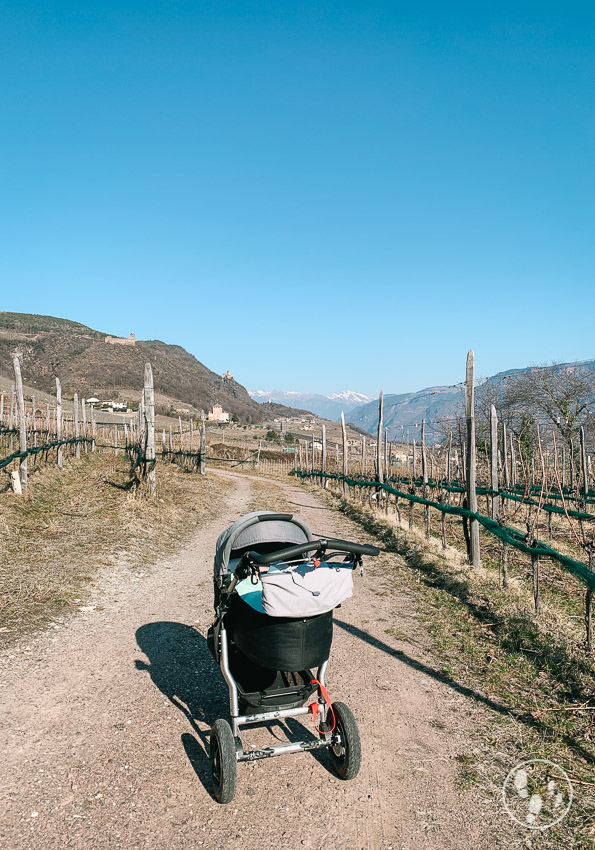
[86, 364]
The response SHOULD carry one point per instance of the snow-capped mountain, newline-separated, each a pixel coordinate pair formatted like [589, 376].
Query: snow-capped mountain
[327, 406]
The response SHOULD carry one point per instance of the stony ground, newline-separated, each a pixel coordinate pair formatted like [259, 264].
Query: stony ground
[105, 720]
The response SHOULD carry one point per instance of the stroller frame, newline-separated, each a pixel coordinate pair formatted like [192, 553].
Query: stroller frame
[336, 728]
[238, 720]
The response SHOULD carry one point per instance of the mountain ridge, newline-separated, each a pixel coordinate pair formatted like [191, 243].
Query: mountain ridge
[85, 363]
[325, 406]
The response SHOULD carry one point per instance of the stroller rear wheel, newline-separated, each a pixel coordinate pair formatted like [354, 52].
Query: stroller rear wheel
[346, 750]
[224, 766]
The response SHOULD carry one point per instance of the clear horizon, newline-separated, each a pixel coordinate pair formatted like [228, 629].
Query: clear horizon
[319, 196]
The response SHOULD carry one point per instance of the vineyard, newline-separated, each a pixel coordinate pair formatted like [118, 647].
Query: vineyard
[532, 508]
[538, 508]
[32, 435]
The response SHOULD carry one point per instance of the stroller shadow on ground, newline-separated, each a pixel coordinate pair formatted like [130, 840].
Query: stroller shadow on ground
[183, 669]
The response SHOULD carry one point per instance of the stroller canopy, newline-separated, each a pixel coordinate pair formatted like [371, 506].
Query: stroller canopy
[258, 527]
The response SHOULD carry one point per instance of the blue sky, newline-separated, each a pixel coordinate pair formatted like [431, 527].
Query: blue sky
[317, 196]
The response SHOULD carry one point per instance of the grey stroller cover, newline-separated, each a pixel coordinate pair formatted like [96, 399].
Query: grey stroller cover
[297, 590]
[256, 528]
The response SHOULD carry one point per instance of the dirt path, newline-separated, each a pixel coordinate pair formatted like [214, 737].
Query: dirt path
[104, 724]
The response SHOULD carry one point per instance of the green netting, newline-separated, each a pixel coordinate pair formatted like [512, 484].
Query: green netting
[179, 453]
[507, 534]
[519, 496]
[35, 450]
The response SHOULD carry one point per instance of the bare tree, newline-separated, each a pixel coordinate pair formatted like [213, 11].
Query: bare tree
[562, 396]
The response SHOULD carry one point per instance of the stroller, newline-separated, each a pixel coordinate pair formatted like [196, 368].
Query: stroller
[275, 591]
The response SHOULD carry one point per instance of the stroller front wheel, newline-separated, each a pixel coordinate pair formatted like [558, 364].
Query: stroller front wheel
[224, 766]
[346, 750]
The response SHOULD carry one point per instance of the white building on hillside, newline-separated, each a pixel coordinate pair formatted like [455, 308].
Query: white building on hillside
[217, 414]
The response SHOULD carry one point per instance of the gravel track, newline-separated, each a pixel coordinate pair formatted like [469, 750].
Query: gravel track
[105, 722]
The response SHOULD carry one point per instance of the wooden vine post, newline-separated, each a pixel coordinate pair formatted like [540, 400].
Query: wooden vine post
[84, 409]
[33, 424]
[502, 507]
[344, 434]
[323, 458]
[494, 461]
[587, 546]
[584, 468]
[18, 382]
[379, 471]
[505, 456]
[59, 419]
[412, 483]
[589, 601]
[424, 474]
[203, 443]
[448, 480]
[77, 452]
[149, 406]
[474, 554]
[363, 456]
[386, 464]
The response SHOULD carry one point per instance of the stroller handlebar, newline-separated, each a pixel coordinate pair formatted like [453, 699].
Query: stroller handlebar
[321, 545]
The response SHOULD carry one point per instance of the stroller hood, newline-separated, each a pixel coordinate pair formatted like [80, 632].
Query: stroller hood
[254, 528]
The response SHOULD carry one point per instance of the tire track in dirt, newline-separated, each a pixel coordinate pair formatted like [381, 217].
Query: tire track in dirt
[105, 723]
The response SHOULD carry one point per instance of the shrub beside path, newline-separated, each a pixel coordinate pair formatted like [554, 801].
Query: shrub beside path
[105, 721]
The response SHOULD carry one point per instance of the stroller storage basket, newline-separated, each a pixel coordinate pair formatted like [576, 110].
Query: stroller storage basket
[279, 643]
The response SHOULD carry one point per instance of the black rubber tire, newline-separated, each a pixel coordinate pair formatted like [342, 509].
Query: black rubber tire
[224, 765]
[346, 756]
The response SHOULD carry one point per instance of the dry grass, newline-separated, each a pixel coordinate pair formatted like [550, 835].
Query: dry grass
[488, 642]
[75, 521]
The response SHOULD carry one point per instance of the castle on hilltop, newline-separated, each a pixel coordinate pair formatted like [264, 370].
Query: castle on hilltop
[120, 340]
